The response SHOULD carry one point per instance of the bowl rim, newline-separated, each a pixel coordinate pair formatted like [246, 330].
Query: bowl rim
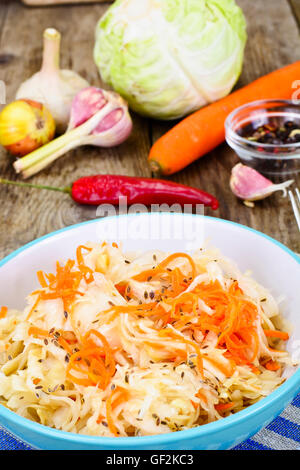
[231, 133]
[278, 395]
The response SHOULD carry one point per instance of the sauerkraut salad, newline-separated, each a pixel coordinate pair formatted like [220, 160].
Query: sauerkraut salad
[131, 344]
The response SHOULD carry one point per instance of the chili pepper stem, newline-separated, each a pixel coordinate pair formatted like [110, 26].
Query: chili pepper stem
[67, 189]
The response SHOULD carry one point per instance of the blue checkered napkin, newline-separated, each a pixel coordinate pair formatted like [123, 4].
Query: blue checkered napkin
[282, 434]
[10, 442]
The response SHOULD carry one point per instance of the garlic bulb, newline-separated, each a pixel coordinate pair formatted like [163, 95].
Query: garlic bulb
[51, 86]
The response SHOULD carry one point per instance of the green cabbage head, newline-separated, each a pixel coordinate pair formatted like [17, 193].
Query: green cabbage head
[168, 58]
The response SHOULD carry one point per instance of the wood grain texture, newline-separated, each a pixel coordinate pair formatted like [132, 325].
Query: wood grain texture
[28, 214]
[59, 2]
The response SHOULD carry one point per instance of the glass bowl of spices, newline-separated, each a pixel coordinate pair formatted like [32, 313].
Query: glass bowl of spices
[265, 134]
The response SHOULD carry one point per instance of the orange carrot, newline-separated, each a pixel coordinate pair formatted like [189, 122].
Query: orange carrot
[121, 398]
[174, 256]
[277, 334]
[62, 342]
[109, 359]
[86, 271]
[174, 335]
[100, 419]
[121, 287]
[3, 312]
[272, 365]
[79, 381]
[233, 320]
[41, 279]
[226, 369]
[204, 130]
[35, 331]
[254, 369]
[65, 283]
[95, 364]
[201, 395]
[162, 267]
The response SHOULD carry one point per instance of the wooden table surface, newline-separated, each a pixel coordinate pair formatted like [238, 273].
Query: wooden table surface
[273, 41]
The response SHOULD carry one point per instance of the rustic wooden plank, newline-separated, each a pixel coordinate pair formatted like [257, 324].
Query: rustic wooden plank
[273, 41]
[3, 13]
[28, 214]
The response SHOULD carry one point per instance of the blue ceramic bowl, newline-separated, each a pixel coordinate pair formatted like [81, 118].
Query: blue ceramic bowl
[249, 248]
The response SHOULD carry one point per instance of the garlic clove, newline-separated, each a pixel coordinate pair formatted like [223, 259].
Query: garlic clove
[114, 125]
[246, 183]
[51, 86]
[114, 128]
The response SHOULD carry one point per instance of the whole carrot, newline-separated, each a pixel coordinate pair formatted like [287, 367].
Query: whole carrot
[204, 130]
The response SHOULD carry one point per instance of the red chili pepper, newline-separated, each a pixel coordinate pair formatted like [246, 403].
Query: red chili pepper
[108, 189]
